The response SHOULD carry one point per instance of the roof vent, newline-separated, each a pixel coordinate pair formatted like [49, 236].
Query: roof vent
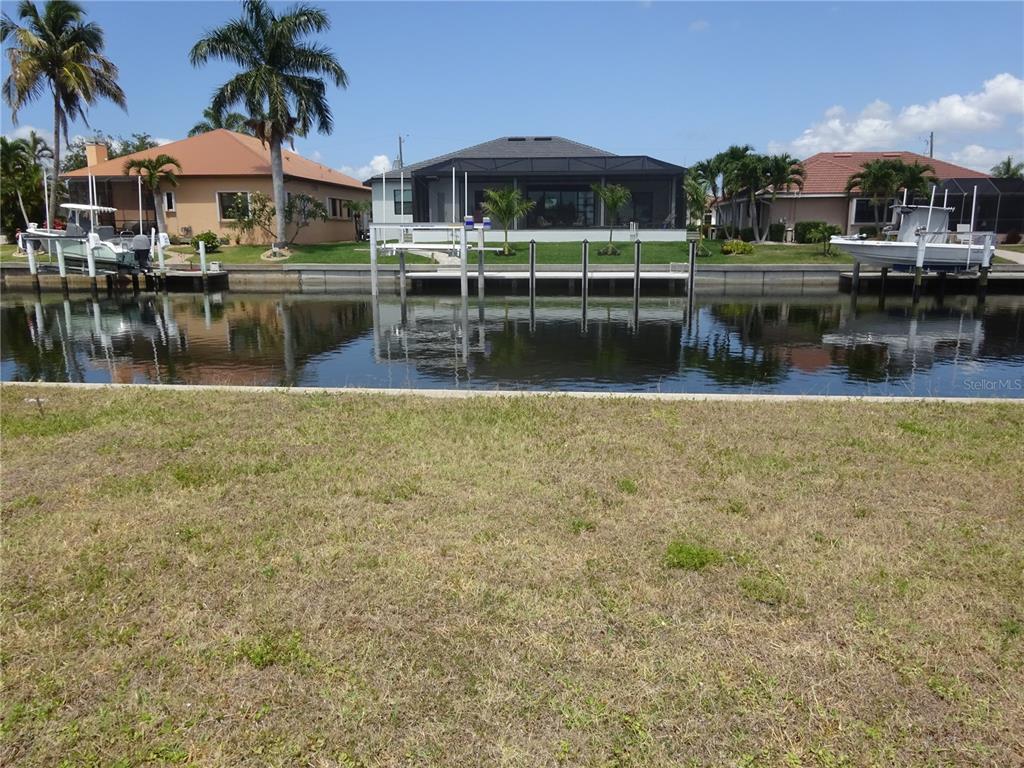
[517, 138]
[542, 138]
[843, 154]
[890, 154]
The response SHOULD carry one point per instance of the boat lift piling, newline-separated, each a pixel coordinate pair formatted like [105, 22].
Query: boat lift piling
[62, 268]
[986, 263]
[533, 282]
[33, 268]
[691, 284]
[585, 280]
[636, 285]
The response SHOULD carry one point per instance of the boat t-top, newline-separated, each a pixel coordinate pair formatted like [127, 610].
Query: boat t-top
[110, 249]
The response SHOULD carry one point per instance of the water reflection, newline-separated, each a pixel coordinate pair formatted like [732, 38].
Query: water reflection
[771, 344]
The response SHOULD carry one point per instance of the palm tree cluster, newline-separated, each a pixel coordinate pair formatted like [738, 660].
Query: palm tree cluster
[882, 180]
[214, 119]
[155, 171]
[57, 51]
[22, 165]
[740, 171]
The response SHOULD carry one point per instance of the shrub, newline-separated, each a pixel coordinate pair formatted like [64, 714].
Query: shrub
[1012, 238]
[702, 250]
[224, 240]
[870, 231]
[736, 247]
[721, 234]
[777, 232]
[211, 240]
[747, 234]
[802, 228]
[175, 239]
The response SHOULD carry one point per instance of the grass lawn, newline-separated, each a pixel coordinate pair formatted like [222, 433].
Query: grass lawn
[547, 253]
[345, 580]
[1015, 248]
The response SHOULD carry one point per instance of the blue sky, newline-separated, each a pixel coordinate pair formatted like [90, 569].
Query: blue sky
[678, 81]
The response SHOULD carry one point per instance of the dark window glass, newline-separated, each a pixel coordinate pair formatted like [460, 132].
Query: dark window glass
[407, 193]
[226, 201]
[864, 211]
[561, 208]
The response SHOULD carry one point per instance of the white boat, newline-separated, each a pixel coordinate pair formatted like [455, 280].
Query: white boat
[922, 240]
[110, 250]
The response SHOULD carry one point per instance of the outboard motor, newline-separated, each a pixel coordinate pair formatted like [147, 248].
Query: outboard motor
[140, 244]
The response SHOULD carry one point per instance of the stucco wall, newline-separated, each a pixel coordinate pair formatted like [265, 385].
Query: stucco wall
[196, 205]
[831, 210]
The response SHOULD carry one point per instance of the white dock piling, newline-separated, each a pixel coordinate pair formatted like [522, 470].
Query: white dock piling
[636, 285]
[202, 257]
[533, 283]
[61, 265]
[373, 261]
[463, 260]
[33, 268]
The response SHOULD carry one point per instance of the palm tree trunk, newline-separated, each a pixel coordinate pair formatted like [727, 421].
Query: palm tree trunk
[277, 181]
[56, 156]
[753, 215]
[158, 209]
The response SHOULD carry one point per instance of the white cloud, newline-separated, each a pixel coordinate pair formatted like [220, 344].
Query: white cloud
[316, 156]
[161, 141]
[700, 25]
[378, 164]
[876, 127]
[24, 131]
[981, 158]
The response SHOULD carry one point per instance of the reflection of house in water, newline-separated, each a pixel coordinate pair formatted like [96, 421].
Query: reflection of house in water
[179, 339]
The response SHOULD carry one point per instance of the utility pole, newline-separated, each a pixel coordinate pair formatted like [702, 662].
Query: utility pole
[931, 144]
[401, 164]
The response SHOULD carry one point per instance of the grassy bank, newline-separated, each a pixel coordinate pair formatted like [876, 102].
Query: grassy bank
[346, 580]
[547, 253]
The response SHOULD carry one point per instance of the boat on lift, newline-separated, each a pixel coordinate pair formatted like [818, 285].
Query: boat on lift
[922, 239]
[110, 250]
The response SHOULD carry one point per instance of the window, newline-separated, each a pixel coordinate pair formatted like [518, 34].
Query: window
[406, 196]
[338, 208]
[864, 211]
[169, 201]
[562, 208]
[227, 202]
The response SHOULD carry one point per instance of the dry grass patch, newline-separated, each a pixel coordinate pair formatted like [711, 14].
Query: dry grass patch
[338, 580]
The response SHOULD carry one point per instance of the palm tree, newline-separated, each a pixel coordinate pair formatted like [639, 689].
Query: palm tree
[878, 180]
[915, 178]
[706, 171]
[214, 119]
[748, 173]
[41, 152]
[155, 171]
[613, 197]
[57, 50]
[278, 83]
[1007, 169]
[781, 173]
[18, 169]
[506, 205]
[724, 162]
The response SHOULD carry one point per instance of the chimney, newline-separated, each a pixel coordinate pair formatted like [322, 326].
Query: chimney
[95, 154]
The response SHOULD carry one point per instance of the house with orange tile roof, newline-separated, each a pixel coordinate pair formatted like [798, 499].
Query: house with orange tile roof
[218, 169]
[824, 196]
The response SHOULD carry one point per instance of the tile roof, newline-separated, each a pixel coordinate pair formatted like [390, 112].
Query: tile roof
[826, 173]
[224, 153]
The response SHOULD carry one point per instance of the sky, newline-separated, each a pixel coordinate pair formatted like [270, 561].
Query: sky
[678, 81]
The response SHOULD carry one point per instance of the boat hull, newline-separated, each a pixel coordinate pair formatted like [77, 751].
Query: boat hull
[947, 257]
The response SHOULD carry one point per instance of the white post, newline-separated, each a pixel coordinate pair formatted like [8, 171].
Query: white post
[46, 200]
[91, 259]
[373, 260]
[401, 194]
[60, 260]
[465, 194]
[464, 258]
[986, 254]
[30, 248]
[152, 238]
[453, 205]
[202, 257]
[928, 221]
[139, 177]
[970, 235]
[384, 198]
[160, 255]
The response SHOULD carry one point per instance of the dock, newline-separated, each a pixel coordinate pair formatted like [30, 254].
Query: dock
[1005, 279]
[171, 280]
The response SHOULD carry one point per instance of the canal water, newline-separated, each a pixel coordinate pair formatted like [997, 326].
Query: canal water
[817, 344]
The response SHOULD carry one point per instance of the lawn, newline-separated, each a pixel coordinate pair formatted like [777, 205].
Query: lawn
[547, 253]
[352, 580]
[1015, 248]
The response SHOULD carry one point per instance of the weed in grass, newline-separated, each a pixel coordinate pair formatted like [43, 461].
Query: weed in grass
[580, 525]
[194, 475]
[736, 507]
[765, 587]
[23, 502]
[691, 556]
[266, 650]
[912, 427]
[48, 425]
[626, 485]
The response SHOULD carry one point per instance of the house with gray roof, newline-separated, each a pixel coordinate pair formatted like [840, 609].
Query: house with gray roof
[556, 173]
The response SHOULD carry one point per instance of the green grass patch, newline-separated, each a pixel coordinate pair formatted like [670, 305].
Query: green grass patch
[691, 556]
